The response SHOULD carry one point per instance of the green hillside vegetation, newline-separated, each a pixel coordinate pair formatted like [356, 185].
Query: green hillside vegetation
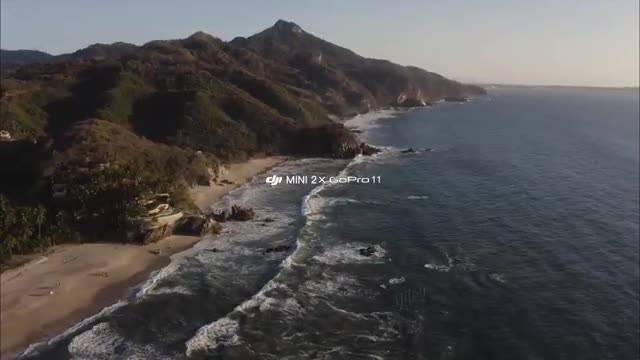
[122, 121]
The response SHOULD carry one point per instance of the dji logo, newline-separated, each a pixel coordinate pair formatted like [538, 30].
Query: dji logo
[274, 180]
[314, 180]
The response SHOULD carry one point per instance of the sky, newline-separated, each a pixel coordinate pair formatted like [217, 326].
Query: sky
[531, 42]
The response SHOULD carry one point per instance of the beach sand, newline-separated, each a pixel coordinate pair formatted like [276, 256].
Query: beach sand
[51, 293]
[238, 174]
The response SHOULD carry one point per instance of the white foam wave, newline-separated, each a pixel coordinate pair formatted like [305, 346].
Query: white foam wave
[458, 263]
[417, 197]
[350, 254]
[222, 332]
[289, 306]
[330, 286]
[365, 122]
[442, 268]
[153, 280]
[497, 277]
[395, 281]
[225, 330]
[104, 342]
[37, 348]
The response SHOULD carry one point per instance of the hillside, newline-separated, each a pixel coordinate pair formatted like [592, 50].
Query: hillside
[166, 113]
[13, 59]
[346, 80]
[230, 99]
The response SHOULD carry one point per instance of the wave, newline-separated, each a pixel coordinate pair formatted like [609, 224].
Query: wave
[38, 348]
[442, 268]
[417, 197]
[454, 262]
[349, 254]
[368, 121]
[104, 342]
[224, 331]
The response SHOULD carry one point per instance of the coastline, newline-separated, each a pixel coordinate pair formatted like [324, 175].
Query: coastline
[48, 295]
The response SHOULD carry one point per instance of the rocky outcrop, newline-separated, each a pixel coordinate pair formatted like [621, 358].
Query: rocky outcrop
[410, 103]
[279, 248]
[220, 216]
[151, 235]
[368, 251]
[237, 213]
[456, 99]
[241, 214]
[368, 149]
[196, 225]
[351, 151]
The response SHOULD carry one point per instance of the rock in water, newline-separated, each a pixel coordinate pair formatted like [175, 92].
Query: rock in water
[456, 99]
[409, 150]
[368, 149]
[368, 251]
[241, 214]
[221, 216]
[196, 225]
[279, 248]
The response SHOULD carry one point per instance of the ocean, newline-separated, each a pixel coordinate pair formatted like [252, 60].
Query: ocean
[511, 232]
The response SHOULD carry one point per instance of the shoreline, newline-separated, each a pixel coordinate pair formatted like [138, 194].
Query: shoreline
[47, 295]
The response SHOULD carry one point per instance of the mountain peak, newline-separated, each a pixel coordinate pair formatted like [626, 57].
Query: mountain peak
[287, 26]
[200, 35]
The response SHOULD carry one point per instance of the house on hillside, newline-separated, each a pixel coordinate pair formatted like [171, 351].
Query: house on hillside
[159, 212]
[5, 135]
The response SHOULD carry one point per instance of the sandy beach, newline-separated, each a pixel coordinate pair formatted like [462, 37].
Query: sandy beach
[51, 293]
[237, 174]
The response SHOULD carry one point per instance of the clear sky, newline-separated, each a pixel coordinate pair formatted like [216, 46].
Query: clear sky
[561, 42]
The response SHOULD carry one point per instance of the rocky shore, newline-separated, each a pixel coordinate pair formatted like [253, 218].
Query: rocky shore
[54, 291]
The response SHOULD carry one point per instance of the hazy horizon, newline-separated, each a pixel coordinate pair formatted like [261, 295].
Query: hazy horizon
[589, 43]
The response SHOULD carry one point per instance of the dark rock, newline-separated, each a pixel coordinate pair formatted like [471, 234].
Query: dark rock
[368, 150]
[456, 99]
[154, 252]
[268, 220]
[241, 214]
[196, 225]
[279, 248]
[409, 150]
[368, 251]
[237, 213]
[225, 181]
[220, 216]
[148, 236]
[411, 102]
[427, 149]
[203, 181]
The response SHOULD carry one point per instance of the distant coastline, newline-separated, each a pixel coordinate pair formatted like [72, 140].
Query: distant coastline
[489, 86]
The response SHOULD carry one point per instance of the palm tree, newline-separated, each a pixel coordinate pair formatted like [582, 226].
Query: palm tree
[40, 218]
